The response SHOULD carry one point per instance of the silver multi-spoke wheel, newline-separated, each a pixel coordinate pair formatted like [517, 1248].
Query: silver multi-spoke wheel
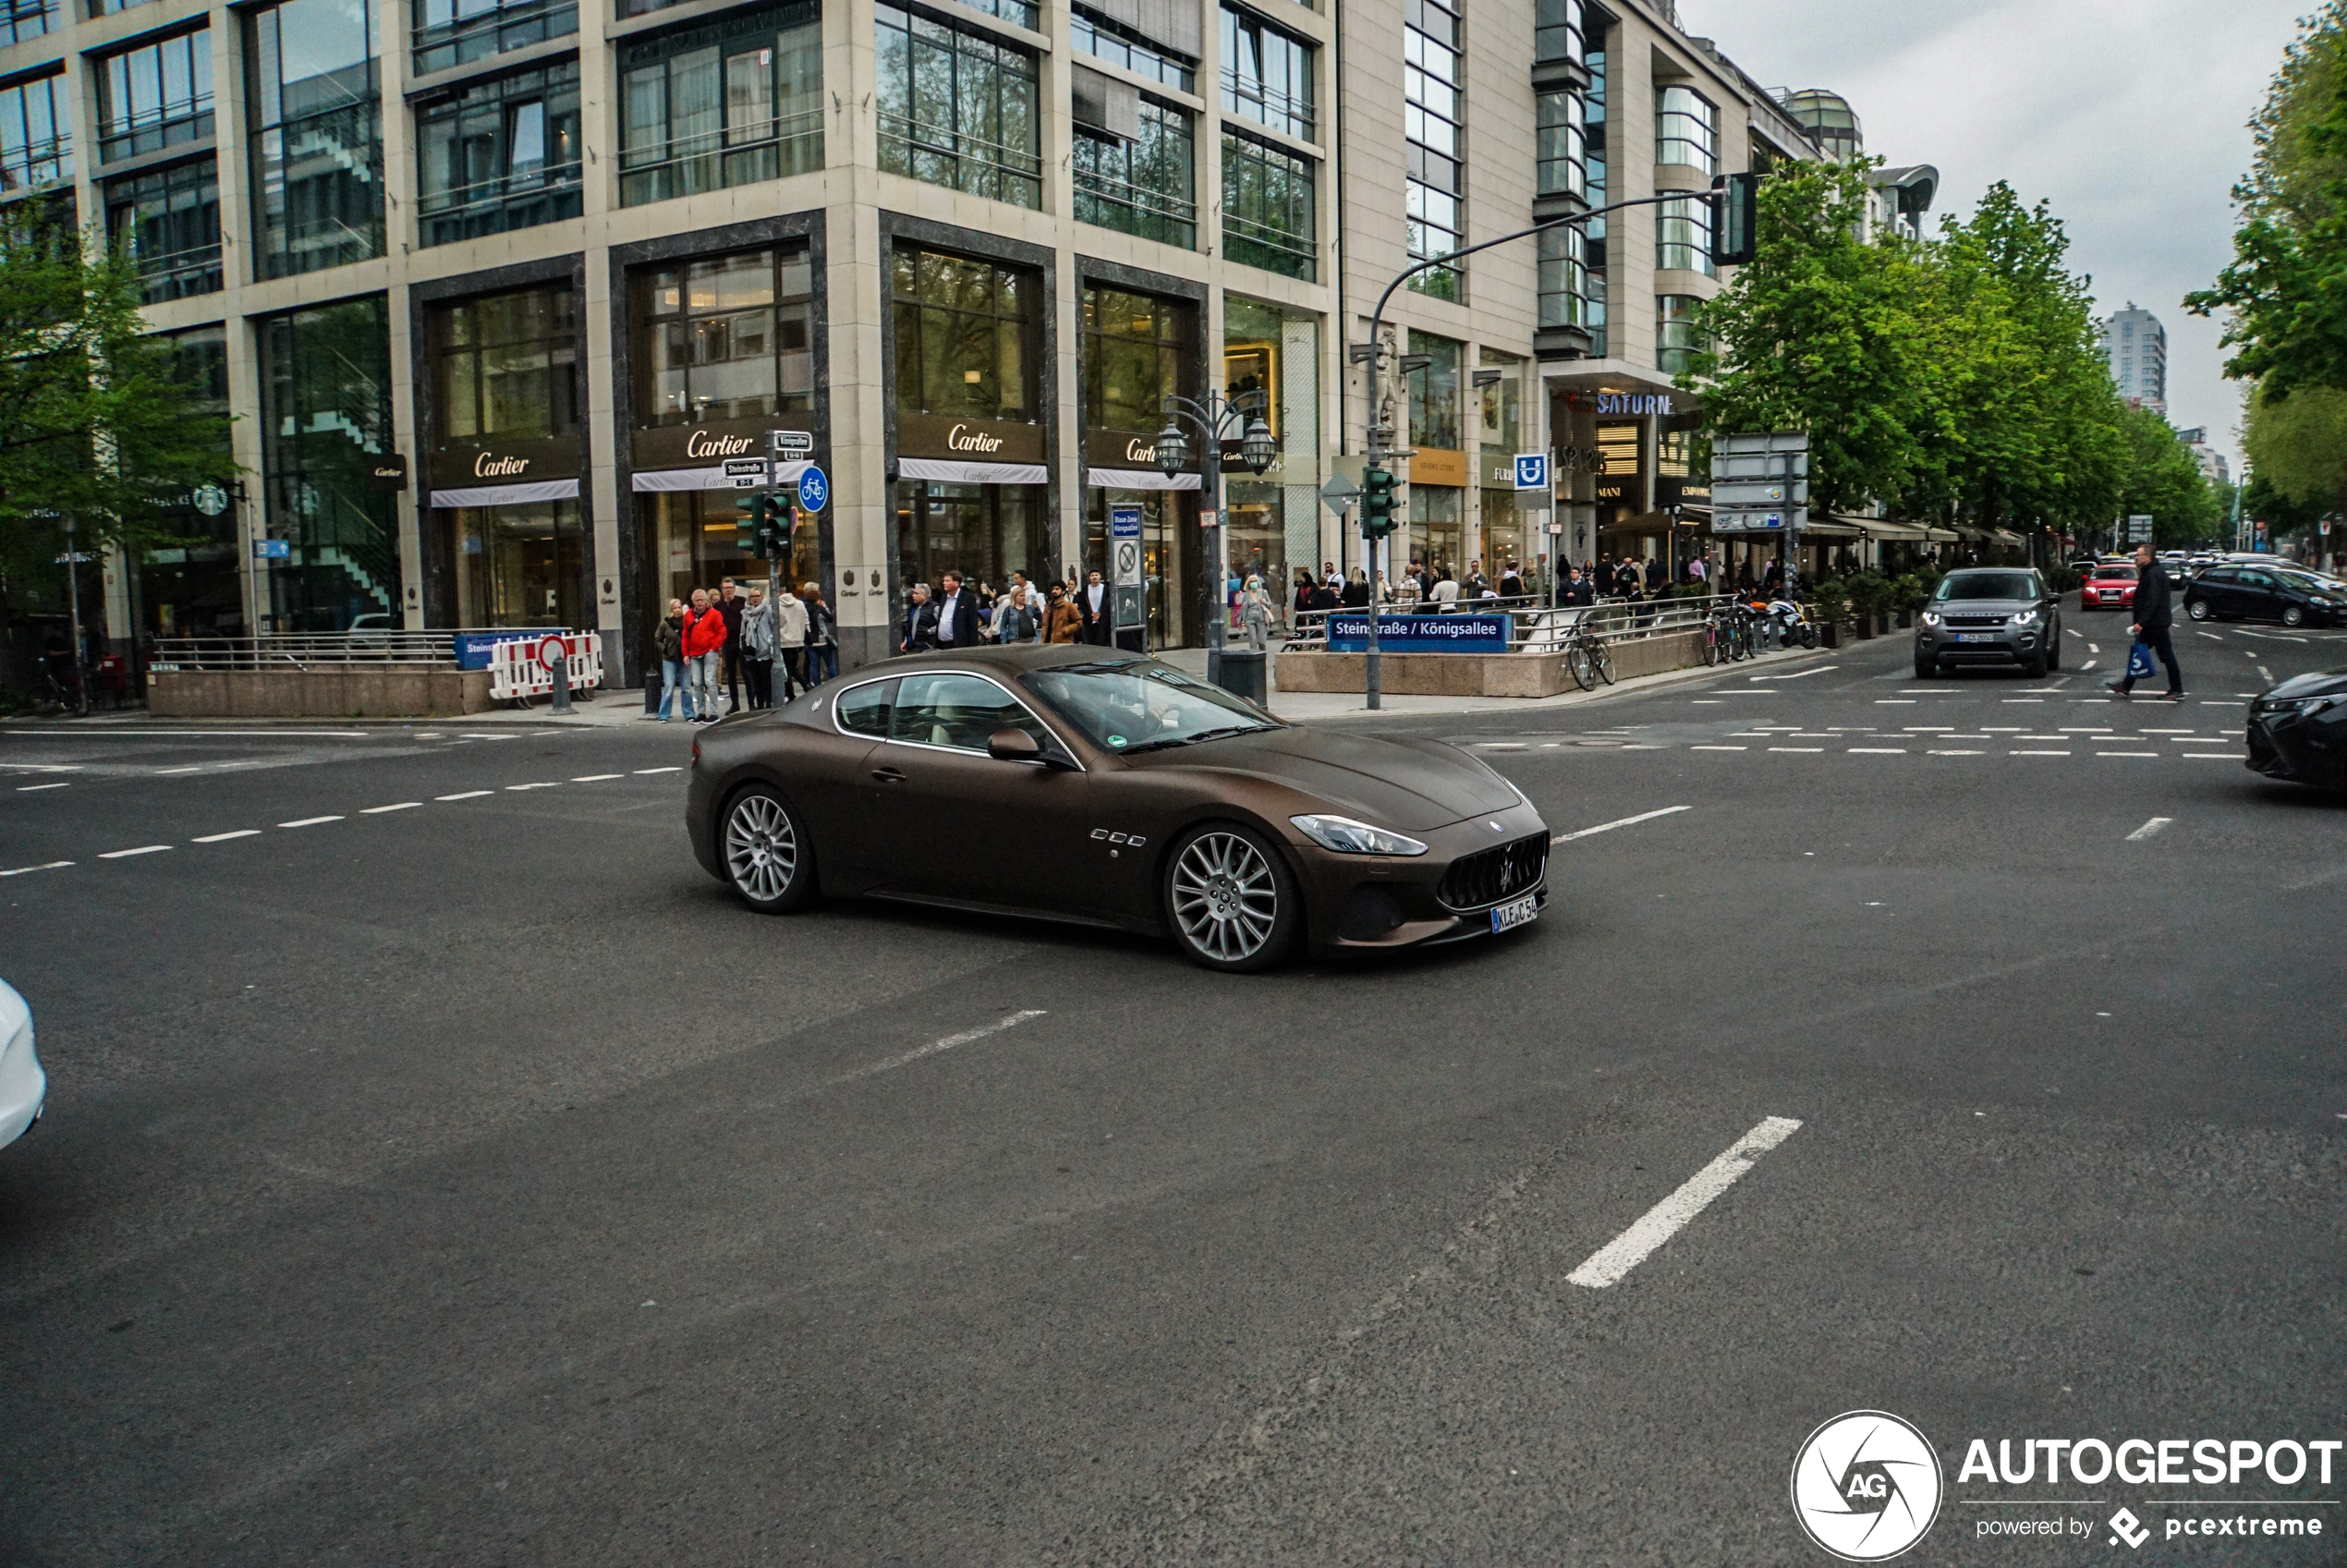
[763, 851]
[1225, 897]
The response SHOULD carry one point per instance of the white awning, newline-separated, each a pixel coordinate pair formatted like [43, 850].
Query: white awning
[948, 470]
[707, 479]
[1137, 479]
[507, 495]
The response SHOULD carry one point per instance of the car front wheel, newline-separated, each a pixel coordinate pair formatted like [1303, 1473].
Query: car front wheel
[769, 863]
[1231, 901]
[2293, 615]
[2198, 609]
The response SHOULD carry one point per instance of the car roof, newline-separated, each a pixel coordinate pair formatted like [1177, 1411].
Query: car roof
[999, 659]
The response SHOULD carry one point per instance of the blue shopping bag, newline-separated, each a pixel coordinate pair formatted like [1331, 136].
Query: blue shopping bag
[2139, 664]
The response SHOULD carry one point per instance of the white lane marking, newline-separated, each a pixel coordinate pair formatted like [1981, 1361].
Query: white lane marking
[1715, 749]
[309, 821]
[2088, 665]
[28, 790]
[2084, 729]
[379, 810]
[1609, 827]
[126, 853]
[2210, 756]
[678, 769]
[2265, 672]
[1804, 748]
[2212, 703]
[933, 1047]
[2210, 636]
[596, 778]
[470, 736]
[2126, 753]
[1611, 1262]
[2037, 753]
[1930, 691]
[2074, 631]
[552, 785]
[196, 767]
[467, 795]
[52, 866]
[1926, 729]
[2185, 733]
[148, 734]
[2091, 647]
[2021, 699]
[2273, 636]
[1877, 751]
[1803, 675]
[2149, 828]
[2002, 729]
[223, 838]
[1952, 753]
[1894, 701]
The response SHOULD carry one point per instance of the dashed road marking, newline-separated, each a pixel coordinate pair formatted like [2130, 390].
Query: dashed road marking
[596, 778]
[161, 772]
[933, 1047]
[1877, 751]
[2149, 829]
[2037, 753]
[127, 853]
[1619, 823]
[466, 795]
[223, 838]
[1715, 749]
[379, 810]
[28, 790]
[309, 821]
[1659, 1225]
[548, 785]
[27, 870]
[670, 770]
[2126, 753]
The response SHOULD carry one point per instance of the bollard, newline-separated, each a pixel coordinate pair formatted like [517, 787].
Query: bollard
[562, 683]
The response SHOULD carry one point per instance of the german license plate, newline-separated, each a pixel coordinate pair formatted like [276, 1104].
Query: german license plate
[1975, 636]
[1516, 912]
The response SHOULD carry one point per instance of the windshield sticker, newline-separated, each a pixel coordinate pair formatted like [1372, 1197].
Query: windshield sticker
[1117, 740]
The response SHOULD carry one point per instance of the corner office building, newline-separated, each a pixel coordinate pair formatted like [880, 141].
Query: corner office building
[558, 261]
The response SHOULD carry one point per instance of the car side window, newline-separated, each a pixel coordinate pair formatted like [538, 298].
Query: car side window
[962, 711]
[864, 710]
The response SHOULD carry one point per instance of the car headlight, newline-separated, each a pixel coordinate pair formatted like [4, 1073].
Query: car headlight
[1348, 837]
[2303, 706]
[1931, 617]
[2026, 618]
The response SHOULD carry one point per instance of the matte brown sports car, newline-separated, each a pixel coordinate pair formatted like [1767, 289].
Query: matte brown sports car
[1087, 784]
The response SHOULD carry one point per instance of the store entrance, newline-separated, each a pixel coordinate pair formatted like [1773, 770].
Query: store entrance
[984, 531]
[517, 566]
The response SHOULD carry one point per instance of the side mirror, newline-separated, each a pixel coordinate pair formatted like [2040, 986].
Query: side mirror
[1013, 746]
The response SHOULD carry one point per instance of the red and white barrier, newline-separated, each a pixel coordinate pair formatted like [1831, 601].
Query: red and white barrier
[524, 666]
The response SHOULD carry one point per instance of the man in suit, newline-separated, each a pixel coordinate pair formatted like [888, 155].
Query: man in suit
[2154, 617]
[1094, 604]
[956, 614]
[919, 631]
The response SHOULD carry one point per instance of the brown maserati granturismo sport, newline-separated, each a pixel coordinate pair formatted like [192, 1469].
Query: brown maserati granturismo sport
[1087, 784]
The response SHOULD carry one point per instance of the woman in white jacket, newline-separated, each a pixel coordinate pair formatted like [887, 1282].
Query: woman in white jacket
[790, 638]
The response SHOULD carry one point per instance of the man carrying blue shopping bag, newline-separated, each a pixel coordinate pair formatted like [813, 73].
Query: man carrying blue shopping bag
[2153, 620]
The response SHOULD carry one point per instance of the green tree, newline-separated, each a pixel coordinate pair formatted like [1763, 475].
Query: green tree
[97, 428]
[2297, 449]
[2161, 477]
[2286, 289]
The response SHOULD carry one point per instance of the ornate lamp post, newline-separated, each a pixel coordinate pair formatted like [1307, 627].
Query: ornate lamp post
[1216, 416]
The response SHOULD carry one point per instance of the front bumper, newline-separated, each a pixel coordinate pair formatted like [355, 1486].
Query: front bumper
[2005, 645]
[2299, 748]
[2117, 599]
[1381, 902]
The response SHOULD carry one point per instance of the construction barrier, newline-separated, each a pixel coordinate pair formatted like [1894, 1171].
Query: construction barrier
[521, 667]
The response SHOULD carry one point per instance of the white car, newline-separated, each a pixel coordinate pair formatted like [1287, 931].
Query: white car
[23, 1087]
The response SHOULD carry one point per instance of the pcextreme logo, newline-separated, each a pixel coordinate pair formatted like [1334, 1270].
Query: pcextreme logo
[1865, 1486]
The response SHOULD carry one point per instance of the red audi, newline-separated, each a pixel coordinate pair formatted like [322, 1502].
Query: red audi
[2112, 586]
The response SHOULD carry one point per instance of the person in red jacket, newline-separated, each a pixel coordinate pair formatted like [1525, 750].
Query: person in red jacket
[704, 651]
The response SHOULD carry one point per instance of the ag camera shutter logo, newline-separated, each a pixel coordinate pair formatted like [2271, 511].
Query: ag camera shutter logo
[1865, 1486]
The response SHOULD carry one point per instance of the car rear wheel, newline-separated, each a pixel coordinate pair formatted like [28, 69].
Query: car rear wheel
[1231, 901]
[2293, 615]
[2199, 610]
[769, 863]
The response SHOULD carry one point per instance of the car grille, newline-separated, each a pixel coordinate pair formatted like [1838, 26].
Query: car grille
[1976, 622]
[1489, 875]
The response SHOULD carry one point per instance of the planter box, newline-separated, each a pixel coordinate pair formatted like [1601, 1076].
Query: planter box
[1476, 675]
[351, 692]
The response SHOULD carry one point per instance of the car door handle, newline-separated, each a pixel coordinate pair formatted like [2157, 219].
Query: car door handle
[888, 775]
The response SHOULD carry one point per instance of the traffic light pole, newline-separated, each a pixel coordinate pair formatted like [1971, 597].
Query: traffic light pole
[1380, 434]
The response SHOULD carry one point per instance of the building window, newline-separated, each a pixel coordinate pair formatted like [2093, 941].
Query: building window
[1019, 13]
[1434, 393]
[167, 222]
[1430, 116]
[452, 33]
[1683, 235]
[155, 96]
[966, 343]
[1686, 130]
[24, 20]
[36, 135]
[1565, 277]
[499, 154]
[1271, 521]
[1594, 132]
[1563, 166]
[506, 365]
[1146, 186]
[958, 109]
[1267, 208]
[325, 418]
[1136, 351]
[1676, 337]
[1104, 39]
[1556, 30]
[734, 102]
[1266, 75]
[724, 337]
[317, 140]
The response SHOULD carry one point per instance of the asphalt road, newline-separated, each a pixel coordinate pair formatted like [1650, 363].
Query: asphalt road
[471, 1181]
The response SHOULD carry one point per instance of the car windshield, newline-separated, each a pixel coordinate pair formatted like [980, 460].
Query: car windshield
[2118, 574]
[1141, 705]
[1988, 585]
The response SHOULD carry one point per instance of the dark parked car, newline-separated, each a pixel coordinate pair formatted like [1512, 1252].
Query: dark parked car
[2238, 592]
[2298, 730]
[1991, 615]
[1110, 789]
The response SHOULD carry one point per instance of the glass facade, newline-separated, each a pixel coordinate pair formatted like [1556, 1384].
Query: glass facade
[523, 564]
[1019, 13]
[733, 102]
[317, 135]
[1563, 146]
[193, 587]
[1556, 30]
[36, 134]
[325, 407]
[959, 108]
[1266, 75]
[167, 222]
[454, 32]
[1683, 235]
[1134, 351]
[1593, 124]
[1148, 186]
[155, 96]
[1435, 197]
[1268, 218]
[1271, 522]
[1434, 393]
[1104, 39]
[1565, 277]
[1438, 528]
[22, 21]
[1499, 430]
[1676, 337]
[1686, 130]
[723, 338]
[504, 366]
[499, 154]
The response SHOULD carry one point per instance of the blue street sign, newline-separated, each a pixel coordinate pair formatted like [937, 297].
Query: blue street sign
[1349, 633]
[1125, 522]
[1532, 470]
[273, 549]
[814, 490]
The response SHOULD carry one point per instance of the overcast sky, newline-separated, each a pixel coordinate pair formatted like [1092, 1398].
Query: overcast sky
[2129, 116]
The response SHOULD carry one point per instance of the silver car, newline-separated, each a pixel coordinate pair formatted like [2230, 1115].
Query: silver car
[1991, 615]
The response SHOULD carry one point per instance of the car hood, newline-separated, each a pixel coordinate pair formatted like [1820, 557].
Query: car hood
[1413, 786]
[1981, 607]
[2314, 683]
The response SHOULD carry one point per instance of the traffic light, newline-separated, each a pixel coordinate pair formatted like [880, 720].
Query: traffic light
[1376, 502]
[1735, 219]
[773, 538]
[764, 528]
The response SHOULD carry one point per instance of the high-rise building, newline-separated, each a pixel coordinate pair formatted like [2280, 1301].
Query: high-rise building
[2135, 346]
[2212, 462]
[495, 289]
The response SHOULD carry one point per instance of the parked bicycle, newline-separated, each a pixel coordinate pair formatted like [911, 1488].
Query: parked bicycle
[1586, 655]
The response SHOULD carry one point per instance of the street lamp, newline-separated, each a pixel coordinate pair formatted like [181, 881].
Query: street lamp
[1216, 416]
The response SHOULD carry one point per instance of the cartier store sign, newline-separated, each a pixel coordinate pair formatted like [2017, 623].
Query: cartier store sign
[706, 446]
[503, 462]
[971, 440]
[1128, 449]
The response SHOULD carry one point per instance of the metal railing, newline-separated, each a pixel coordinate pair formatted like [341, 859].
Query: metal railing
[1536, 626]
[384, 649]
